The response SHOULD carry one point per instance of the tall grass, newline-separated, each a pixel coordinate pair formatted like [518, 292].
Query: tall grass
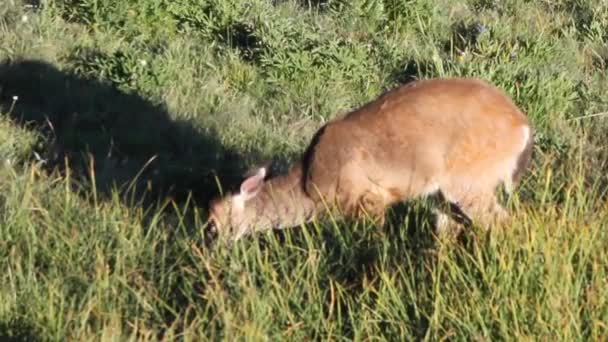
[107, 102]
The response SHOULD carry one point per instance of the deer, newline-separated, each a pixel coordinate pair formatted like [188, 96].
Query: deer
[453, 138]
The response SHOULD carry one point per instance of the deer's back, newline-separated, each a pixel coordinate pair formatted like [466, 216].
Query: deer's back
[416, 138]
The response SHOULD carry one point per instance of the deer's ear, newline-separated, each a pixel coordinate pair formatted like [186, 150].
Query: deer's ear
[253, 184]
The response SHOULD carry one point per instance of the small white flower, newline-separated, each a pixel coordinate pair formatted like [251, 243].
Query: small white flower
[143, 62]
[15, 97]
[24, 18]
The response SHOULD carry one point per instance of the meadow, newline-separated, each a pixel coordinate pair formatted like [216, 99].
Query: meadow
[119, 120]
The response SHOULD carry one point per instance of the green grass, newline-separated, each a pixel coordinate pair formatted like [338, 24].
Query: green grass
[126, 112]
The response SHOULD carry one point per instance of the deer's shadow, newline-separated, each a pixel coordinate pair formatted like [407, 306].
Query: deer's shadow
[118, 136]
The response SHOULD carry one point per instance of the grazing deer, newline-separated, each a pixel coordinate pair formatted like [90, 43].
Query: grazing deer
[458, 138]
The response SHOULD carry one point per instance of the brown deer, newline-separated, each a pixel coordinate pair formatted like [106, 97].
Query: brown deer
[458, 138]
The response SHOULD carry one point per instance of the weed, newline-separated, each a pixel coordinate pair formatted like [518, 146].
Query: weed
[116, 118]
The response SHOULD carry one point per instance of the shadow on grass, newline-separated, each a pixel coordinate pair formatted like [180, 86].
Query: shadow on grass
[18, 330]
[412, 70]
[464, 37]
[118, 136]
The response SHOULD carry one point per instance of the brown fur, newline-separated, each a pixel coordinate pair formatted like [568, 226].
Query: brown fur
[461, 137]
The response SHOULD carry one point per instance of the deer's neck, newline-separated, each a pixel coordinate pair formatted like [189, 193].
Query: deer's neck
[283, 202]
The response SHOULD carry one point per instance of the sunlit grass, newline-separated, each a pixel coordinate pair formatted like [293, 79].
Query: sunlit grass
[166, 95]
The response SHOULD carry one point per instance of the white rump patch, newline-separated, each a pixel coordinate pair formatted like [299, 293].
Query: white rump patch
[526, 133]
[508, 179]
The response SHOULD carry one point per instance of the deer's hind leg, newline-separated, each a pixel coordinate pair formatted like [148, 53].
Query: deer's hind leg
[469, 207]
[450, 219]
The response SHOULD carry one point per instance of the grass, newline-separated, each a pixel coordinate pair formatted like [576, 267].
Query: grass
[117, 117]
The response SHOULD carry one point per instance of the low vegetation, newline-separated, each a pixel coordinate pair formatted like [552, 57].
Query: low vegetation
[119, 119]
